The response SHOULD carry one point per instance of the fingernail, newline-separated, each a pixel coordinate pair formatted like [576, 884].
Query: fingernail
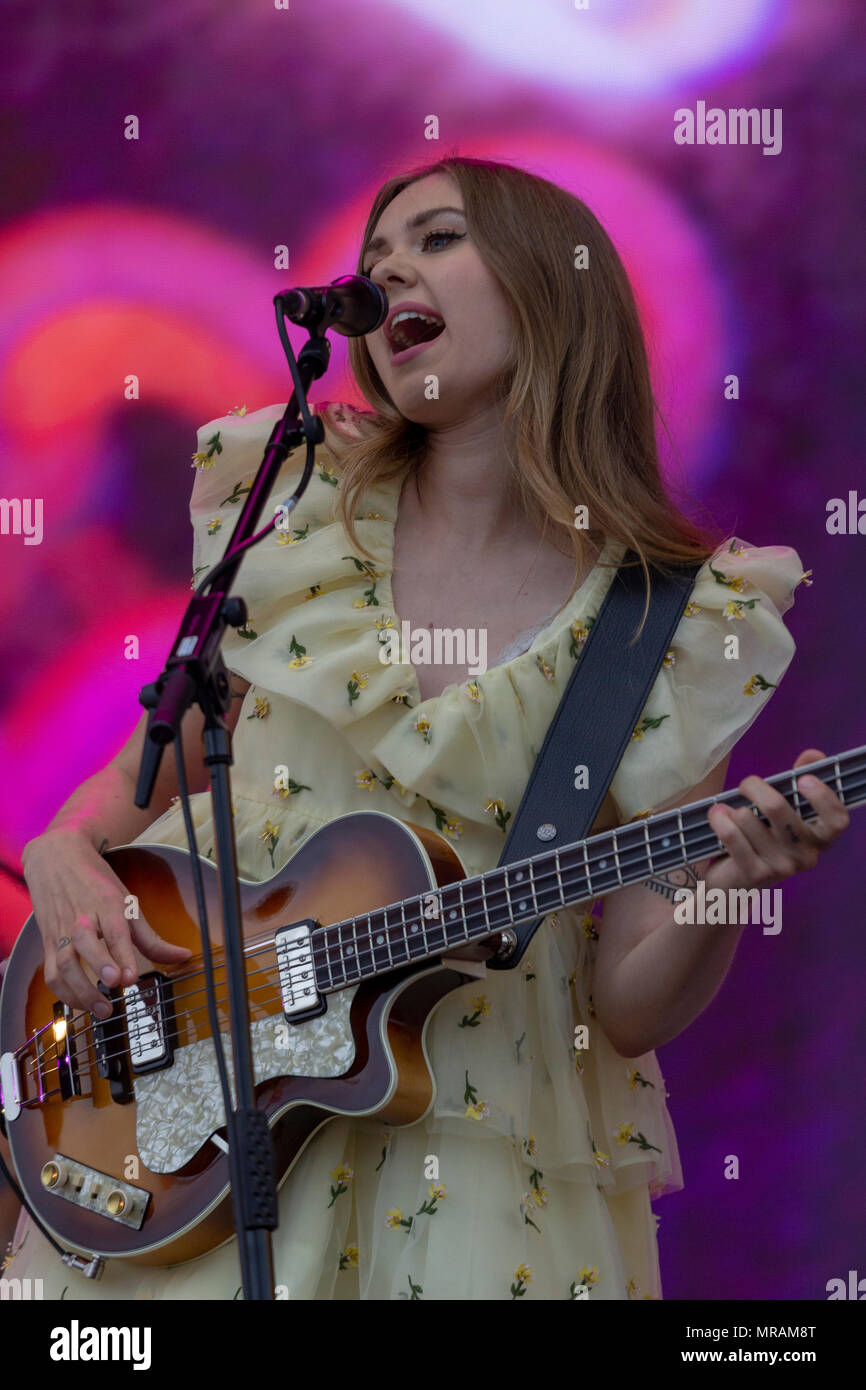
[102, 1010]
[110, 975]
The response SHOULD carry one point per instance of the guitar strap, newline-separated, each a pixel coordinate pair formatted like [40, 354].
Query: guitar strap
[595, 719]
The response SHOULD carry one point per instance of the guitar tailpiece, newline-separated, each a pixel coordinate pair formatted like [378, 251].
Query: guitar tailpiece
[92, 1268]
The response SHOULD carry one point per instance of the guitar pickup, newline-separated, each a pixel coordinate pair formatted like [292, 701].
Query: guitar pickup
[109, 1047]
[294, 948]
[150, 1022]
[65, 1051]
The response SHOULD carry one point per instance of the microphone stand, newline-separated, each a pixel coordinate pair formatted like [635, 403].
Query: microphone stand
[195, 673]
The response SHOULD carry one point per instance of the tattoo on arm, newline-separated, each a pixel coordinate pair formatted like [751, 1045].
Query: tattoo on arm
[667, 884]
[64, 941]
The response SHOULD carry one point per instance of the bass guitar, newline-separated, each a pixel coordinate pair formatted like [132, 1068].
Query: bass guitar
[117, 1127]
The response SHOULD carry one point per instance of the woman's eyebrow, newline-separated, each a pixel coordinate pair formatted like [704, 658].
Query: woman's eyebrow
[417, 220]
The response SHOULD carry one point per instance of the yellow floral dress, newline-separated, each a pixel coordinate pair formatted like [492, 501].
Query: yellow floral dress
[532, 1173]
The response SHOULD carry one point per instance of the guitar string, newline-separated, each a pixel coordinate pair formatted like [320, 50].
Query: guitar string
[361, 957]
[319, 957]
[366, 954]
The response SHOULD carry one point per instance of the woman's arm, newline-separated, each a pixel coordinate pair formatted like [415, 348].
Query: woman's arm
[655, 975]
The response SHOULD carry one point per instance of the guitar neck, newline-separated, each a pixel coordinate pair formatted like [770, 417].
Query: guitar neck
[446, 918]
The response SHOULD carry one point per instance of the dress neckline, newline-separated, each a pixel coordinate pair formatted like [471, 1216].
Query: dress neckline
[549, 626]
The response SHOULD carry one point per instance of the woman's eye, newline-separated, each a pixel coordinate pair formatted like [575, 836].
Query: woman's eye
[433, 236]
[428, 236]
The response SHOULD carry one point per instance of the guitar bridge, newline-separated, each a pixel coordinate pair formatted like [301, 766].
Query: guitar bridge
[294, 948]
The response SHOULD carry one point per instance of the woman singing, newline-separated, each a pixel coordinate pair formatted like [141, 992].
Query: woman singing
[509, 391]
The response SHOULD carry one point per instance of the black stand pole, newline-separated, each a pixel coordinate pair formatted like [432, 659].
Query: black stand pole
[195, 672]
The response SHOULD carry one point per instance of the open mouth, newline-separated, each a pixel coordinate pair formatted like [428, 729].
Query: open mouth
[410, 328]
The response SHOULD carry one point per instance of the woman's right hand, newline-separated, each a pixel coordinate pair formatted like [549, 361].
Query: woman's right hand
[79, 906]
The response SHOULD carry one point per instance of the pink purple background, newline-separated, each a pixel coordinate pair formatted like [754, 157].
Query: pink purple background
[260, 127]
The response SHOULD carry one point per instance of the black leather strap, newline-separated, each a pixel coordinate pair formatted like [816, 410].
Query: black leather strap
[595, 720]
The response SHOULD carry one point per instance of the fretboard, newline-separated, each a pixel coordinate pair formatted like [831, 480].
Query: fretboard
[445, 918]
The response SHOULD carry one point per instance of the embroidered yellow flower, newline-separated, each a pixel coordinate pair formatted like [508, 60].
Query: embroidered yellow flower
[473, 692]
[366, 780]
[588, 1275]
[734, 549]
[452, 828]
[479, 1111]
[670, 659]
[213, 525]
[530, 1146]
[342, 1173]
[314, 590]
[394, 1218]
[481, 1005]
[384, 621]
[500, 815]
[262, 708]
[632, 1288]
[238, 410]
[623, 1133]
[804, 579]
[524, 1273]
[544, 668]
[437, 1191]
[270, 832]
[589, 926]
[349, 1257]
[756, 683]
[553, 919]
[733, 609]
[298, 661]
[401, 698]
[421, 725]
[579, 632]
[202, 460]
[361, 679]
[540, 1196]
[691, 610]
[602, 1159]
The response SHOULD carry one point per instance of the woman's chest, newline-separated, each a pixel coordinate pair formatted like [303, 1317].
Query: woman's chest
[455, 619]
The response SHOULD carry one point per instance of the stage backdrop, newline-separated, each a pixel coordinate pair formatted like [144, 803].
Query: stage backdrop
[154, 160]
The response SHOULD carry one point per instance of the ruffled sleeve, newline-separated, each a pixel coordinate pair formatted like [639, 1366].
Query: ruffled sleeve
[711, 688]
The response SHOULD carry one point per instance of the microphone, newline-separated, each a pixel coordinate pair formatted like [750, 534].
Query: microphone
[352, 305]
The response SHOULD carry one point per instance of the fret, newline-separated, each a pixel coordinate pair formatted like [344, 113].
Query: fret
[588, 879]
[522, 903]
[450, 917]
[532, 886]
[422, 921]
[397, 941]
[354, 924]
[466, 927]
[484, 907]
[681, 834]
[648, 850]
[840, 790]
[559, 883]
[326, 942]
[616, 856]
[382, 939]
[408, 932]
[795, 790]
[331, 981]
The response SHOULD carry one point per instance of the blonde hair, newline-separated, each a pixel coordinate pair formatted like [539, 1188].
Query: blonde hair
[576, 384]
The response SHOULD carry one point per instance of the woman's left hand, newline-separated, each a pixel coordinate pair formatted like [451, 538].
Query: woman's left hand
[757, 854]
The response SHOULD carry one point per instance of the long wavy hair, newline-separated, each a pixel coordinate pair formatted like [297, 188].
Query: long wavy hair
[576, 385]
